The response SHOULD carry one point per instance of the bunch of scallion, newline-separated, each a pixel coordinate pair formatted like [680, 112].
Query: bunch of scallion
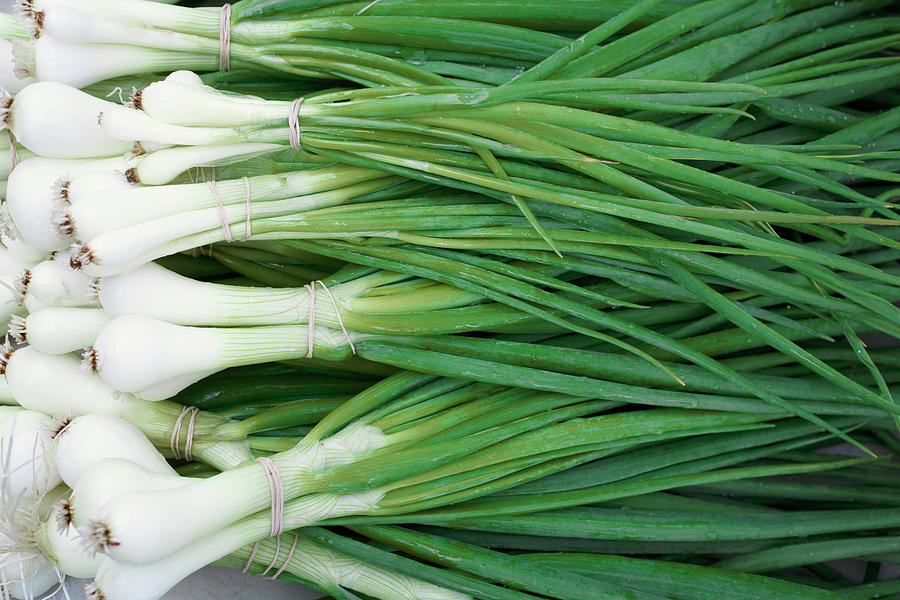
[416, 299]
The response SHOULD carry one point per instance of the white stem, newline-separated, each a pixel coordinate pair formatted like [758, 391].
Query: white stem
[76, 25]
[163, 166]
[59, 330]
[35, 189]
[141, 522]
[81, 65]
[111, 478]
[135, 352]
[56, 385]
[204, 106]
[156, 292]
[127, 248]
[124, 123]
[117, 579]
[90, 438]
[143, 13]
[54, 282]
[59, 121]
[61, 546]
[95, 210]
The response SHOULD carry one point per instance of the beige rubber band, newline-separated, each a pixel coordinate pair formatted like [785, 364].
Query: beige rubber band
[294, 123]
[252, 556]
[276, 489]
[247, 210]
[175, 440]
[287, 560]
[311, 287]
[225, 38]
[274, 558]
[223, 218]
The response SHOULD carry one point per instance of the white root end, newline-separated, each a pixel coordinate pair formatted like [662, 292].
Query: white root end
[17, 329]
[6, 352]
[6, 101]
[59, 424]
[60, 188]
[95, 537]
[93, 292]
[20, 286]
[90, 361]
[62, 511]
[93, 592]
[61, 220]
[23, 9]
[32, 19]
[24, 63]
[80, 256]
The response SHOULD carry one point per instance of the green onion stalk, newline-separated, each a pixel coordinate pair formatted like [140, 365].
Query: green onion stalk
[386, 425]
[176, 432]
[462, 428]
[363, 301]
[139, 37]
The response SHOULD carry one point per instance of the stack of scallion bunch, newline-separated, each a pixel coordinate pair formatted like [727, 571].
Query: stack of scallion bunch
[416, 299]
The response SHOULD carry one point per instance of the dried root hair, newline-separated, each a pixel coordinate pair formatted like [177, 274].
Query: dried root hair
[17, 329]
[58, 424]
[95, 537]
[24, 63]
[6, 352]
[80, 256]
[62, 513]
[20, 286]
[90, 361]
[6, 102]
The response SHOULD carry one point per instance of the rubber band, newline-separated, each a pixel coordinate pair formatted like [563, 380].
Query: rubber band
[294, 123]
[311, 288]
[287, 560]
[222, 216]
[252, 556]
[367, 7]
[225, 38]
[311, 336]
[175, 440]
[274, 558]
[13, 151]
[276, 490]
[247, 210]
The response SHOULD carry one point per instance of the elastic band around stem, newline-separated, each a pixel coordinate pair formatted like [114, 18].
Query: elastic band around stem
[222, 216]
[287, 560]
[294, 123]
[175, 440]
[252, 556]
[274, 558]
[225, 38]
[247, 209]
[311, 288]
[276, 490]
